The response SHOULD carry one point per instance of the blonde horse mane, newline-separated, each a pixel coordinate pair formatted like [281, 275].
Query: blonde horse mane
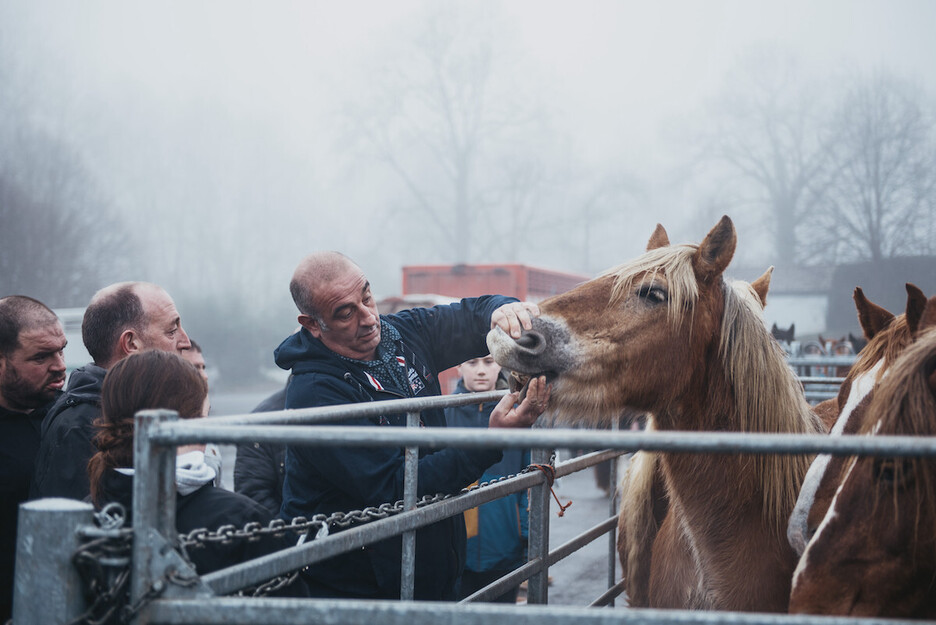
[637, 527]
[768, 397]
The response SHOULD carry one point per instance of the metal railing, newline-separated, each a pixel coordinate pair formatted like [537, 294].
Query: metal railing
[48, 536]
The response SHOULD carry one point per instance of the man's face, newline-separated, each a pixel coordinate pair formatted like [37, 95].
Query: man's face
[33, 373]
[163, 329]
[198, 361]
[479, 374]
[351, 322]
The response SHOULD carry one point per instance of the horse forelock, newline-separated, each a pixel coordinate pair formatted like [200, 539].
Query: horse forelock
[885, 346]
[768, 398]
[674, 263]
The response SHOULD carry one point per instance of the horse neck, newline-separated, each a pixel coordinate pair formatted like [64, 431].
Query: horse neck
[768, 483]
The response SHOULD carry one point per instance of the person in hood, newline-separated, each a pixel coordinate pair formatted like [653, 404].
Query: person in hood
[120, 320]
[347, 353]
[32, 374]
[497, 530]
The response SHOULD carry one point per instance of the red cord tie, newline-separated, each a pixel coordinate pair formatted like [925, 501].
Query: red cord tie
[550, 472]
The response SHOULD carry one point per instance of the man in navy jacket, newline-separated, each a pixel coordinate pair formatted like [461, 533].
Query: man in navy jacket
[347, 353]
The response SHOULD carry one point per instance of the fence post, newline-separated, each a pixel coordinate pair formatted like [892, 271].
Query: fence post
[154, 500]
[47, 587]
[410, 485]
[538, 584]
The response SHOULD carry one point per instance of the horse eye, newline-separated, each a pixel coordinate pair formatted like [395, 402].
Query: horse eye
[893, 471]
[654, 294]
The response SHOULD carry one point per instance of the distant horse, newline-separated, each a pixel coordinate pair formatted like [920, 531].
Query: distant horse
[784, 336]
[887, 336]
[665, 333]
[875, 552]
[838, 347]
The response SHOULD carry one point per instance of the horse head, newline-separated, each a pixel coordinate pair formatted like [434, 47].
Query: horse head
[888, 335]
[608, 343]
[874, 554]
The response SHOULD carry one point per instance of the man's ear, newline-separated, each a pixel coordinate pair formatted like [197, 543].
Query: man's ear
[128, 343]
[309, 323]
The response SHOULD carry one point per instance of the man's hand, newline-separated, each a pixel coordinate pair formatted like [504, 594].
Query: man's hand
[515, 317]
[506, 415]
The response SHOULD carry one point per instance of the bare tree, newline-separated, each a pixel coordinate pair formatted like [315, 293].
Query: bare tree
[440, 118]
[879, 203]
[60, 239]
[766, 130]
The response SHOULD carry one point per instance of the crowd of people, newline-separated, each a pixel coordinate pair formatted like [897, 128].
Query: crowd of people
[76, 441]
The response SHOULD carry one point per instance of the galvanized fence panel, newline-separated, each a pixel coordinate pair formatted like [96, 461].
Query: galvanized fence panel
[158, 433]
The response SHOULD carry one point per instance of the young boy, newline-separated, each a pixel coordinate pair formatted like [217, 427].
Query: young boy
[497, 530]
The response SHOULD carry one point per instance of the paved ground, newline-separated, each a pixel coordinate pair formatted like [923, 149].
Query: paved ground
[576, 581]
[583, 576]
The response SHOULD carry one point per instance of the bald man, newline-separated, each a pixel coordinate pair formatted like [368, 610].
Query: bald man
[347, 353]
[32, 374]
[121, 319]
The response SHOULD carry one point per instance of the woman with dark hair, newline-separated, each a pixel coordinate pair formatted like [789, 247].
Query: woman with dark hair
[157, 379]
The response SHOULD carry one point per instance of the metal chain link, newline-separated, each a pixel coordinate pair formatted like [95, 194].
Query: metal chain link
[323, 524]
[104, 562]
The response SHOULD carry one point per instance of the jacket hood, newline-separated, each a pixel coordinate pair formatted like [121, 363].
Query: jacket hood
[303, 353]
[84, 383]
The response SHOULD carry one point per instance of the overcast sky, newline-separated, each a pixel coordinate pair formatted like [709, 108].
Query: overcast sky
[115, 78]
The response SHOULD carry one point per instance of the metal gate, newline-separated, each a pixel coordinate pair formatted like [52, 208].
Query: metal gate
[165, 589]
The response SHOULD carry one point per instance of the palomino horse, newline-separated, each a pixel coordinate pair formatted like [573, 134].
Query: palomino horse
[887, 337]
[665, 333]
[875, 552]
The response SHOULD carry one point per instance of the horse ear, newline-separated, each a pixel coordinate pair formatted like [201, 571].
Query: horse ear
[871, 317]
[928, 316]
[761, 285]
[916, 302]
[715, 251]
[659, 238]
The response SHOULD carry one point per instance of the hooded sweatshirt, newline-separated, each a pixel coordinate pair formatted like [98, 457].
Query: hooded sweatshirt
[331, 479]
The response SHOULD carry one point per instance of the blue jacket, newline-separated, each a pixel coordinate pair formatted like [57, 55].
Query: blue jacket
[341, 478]
[500, 540]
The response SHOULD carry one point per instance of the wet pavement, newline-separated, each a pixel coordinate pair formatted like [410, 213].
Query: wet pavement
[582, 577]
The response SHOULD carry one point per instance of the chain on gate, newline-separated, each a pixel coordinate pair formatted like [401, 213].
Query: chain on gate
[104, 563]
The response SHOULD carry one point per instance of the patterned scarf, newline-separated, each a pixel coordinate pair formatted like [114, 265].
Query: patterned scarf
[387, 369]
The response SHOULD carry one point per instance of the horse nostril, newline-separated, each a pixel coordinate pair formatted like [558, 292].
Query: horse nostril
[532, 342]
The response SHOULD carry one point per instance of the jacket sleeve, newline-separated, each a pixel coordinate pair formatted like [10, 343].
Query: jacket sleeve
[374, 475]
[457, 332]
[257, 465]
[256, 475]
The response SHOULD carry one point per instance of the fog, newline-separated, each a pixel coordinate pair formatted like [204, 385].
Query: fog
[208, 146]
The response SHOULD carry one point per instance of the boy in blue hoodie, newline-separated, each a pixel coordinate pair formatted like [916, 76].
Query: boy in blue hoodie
[497, 530]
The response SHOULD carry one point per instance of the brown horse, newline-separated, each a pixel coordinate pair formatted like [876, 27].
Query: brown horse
[874, 553]
[887, 337]
[665, 333]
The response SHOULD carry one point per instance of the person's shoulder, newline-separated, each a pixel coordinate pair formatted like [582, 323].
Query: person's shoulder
[324, 388]
[211, 507]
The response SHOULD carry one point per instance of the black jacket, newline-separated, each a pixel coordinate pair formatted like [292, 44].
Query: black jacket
[211, 507]
[331, 479]
[66, 447]
[259, 468]
[19, 442]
